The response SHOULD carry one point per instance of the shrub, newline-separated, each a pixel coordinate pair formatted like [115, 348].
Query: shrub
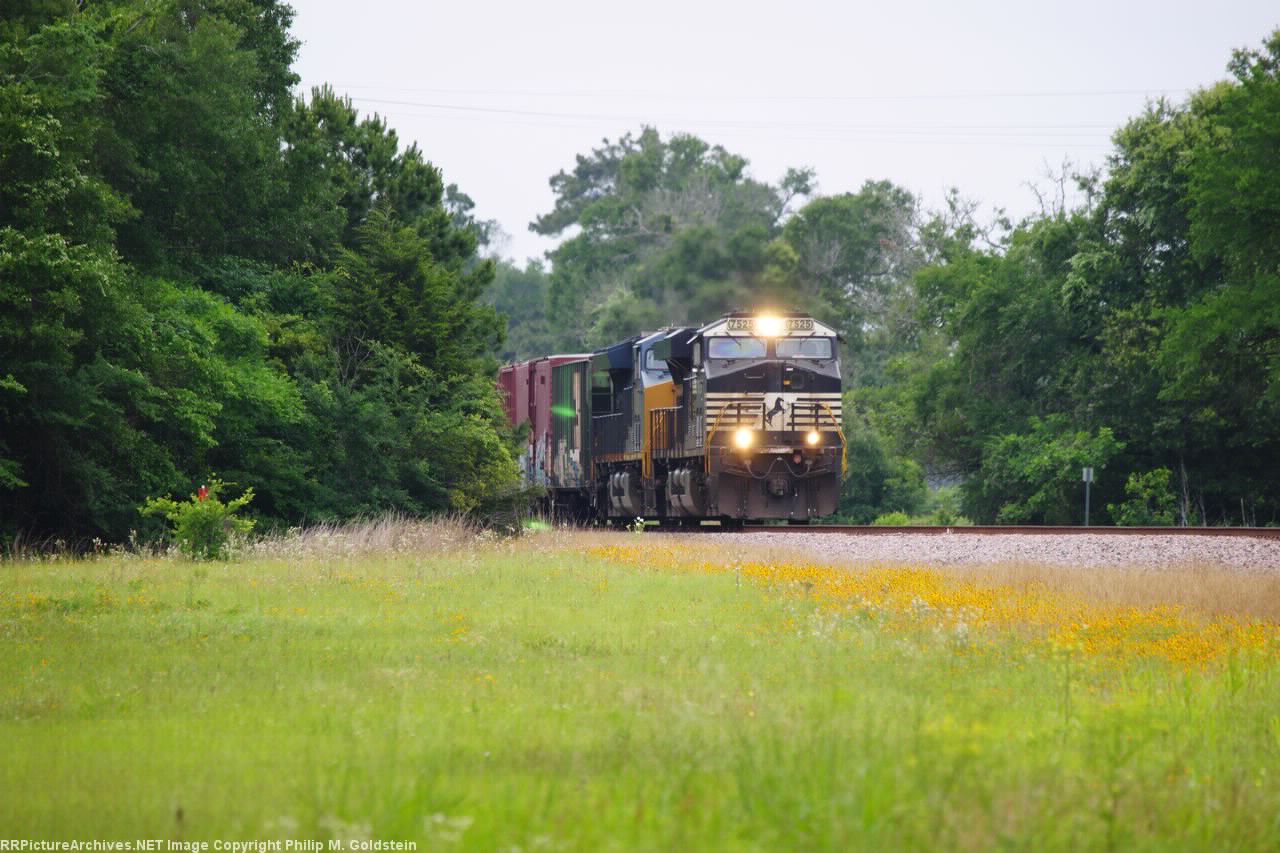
[938, 518]
[1033, 477]
[1152, 501]
[203, 524]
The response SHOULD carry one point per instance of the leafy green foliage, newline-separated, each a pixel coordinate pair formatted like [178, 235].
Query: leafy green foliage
[1151, 500]
[392, 287]
[203, 525]
[191, 131]
[878, 478]
[856, 253]
[943, 509]
[199, 271]
[1034, 477]
[1234, 198]
[1150, 313]
[668, 230]
[520, 296]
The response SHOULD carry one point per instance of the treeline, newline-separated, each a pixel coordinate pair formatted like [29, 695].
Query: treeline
[202, 273]
[1136, 332]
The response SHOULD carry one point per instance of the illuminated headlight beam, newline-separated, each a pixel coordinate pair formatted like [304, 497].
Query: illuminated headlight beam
[768, 326]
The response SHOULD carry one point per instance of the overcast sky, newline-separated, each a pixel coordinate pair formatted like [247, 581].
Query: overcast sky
[980, 96]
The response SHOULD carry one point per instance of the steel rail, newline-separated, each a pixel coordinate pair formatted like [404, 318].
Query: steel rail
[867, 530]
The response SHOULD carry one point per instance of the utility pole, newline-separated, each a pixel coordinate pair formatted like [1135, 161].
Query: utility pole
[1087, 476]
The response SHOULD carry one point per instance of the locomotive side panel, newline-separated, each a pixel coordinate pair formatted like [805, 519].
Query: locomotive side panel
[616, 405]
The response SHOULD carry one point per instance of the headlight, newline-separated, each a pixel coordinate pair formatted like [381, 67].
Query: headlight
[743, 438]
[813, 437]
[768, 326]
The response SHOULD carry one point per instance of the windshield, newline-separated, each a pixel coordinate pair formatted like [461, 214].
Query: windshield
[804, 348]
[736, 348]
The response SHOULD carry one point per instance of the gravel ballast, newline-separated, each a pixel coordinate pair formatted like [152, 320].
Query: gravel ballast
[1240, 553]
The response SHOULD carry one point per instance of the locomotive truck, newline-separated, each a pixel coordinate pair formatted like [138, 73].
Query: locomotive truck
[736, 420]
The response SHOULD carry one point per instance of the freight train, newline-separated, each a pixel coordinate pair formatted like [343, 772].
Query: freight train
[737, 420]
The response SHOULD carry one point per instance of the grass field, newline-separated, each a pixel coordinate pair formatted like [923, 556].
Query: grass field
[577, 692]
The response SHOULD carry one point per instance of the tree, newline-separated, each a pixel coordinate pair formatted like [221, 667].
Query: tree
[520, 296]
[186, 250]
[395, 289]
[193, 98]
[1233, 196]
[879, 479]
[63, 298]
[856, 253]
[668, 230]
[1035, 477]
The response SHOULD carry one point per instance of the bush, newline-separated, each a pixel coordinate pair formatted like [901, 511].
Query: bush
[879, 479]
[1033, 477]
[203, 524]
[937, 518]
[1152, 501]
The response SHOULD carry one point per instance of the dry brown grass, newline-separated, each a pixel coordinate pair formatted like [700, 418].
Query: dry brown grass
[1205, 588]
[387, 535]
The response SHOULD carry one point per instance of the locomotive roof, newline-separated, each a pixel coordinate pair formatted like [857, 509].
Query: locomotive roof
[721, 326]
[619, 354]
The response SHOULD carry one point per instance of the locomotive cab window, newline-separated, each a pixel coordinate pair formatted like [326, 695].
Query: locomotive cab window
[652, 362]
[804, 348]
[735, 348]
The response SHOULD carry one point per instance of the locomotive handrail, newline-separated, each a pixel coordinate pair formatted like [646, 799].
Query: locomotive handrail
[844, 445]
[662, 427]
[737, 404]
[662, 436]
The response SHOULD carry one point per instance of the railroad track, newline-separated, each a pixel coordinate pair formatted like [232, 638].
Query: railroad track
[866, 530]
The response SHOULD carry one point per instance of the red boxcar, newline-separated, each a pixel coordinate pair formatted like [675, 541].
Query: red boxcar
[513, 381]
[527, 396]
[540, 401]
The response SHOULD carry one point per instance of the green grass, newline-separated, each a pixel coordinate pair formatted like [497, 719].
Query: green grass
[526, 698]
